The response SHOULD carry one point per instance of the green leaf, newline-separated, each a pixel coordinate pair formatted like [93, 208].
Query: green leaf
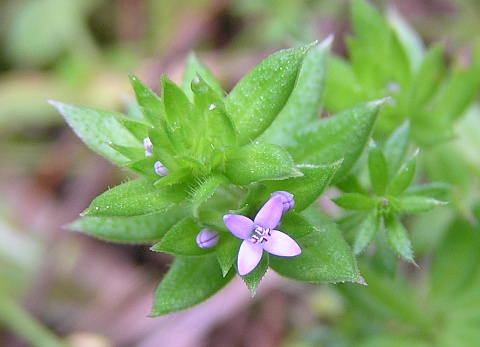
[416, 204]
[403, 177]
[341, 81]
[259, 96]
[137, 128]
[305, 102]
[189, 281]
[354, 201]
[396, 148]
[428, 78]
[259, 162]
[409, 39]
[193, 68]
[149, 103]
[132, 153]
[136, 198]
[144, 166]
[434, 190]
[219, 133]
[205, 191]
[252, 279]
[460, 88]
[183, 121]
[341, 136]
[137, 229]
[181, 239]
[398, 238]
[97, 129]
[325, 257]
[227, 250]
[456, 265]
[307, 188]
[378, 169]
[366, 232]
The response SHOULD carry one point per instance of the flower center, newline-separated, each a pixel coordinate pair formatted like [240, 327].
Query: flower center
[260, 234]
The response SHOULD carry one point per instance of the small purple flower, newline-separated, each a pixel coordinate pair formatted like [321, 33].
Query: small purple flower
[260, 234]
[287, 199]
[147, 145]
[207, 238]
[160, 169]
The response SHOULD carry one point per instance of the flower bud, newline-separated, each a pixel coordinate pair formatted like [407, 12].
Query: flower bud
[207, 238]
[287, 199]
[160, 169]
[147, 145]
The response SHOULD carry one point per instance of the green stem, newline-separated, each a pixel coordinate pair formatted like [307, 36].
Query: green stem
[19, 321]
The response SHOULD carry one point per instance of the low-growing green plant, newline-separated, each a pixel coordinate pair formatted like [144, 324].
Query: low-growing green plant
[228, 183]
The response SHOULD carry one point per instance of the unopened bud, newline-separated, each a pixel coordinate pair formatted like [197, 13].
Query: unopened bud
[287, 199]
[207, 238]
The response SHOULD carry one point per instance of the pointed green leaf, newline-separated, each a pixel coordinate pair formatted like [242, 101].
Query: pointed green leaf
[341, 81]
[403, 178]
[227, 250]
[252, 279]
[181, 118]
[205, 191]
[259, 162]
[97, 129]
[409, 39]
[135, 198]
[132, 153]
[378, 169]
[181, 239]
[416, 204]
[396, 148]
[341, 136]
[354, 201]
[307, 188]
[189, 281]
[325, 257]
[460, 88]
[137, 229]
[366, 232]
[144, 166]
[149, 103]
[305, 102]
[456, 264]
[428, 78]
[398, 238]
[137, 128]
[259, 96]
[434, 190]
[195, 67]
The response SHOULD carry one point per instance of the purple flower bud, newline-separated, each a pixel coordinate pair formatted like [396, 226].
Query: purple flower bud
[147, 145]
[287, 199]
[207, 238]
[160, 169]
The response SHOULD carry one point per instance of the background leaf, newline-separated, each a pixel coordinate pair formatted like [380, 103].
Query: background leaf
[189, 281]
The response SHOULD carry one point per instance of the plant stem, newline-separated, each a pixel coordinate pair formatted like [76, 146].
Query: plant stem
[19, 321]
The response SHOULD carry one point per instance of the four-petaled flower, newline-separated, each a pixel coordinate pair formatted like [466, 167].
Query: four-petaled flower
[260, 234]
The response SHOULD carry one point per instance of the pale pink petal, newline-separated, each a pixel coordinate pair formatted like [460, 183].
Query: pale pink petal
[281, 244]
[249, 256]
[270, 213]
[239, 225]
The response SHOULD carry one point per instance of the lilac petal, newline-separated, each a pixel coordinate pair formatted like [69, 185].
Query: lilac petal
[207, 238]
[239, 225]
[249, 256]
[281, 244]
[269, 215]
[287, 199]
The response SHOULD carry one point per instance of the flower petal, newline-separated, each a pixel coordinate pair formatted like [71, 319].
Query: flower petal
[270, 213]
[249, 256]
[281, 244]
[239, 225]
